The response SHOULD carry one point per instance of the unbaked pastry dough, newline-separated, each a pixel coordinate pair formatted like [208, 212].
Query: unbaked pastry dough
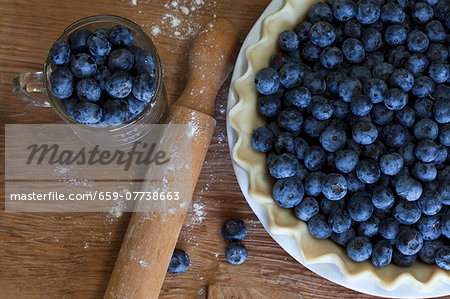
[244, 118]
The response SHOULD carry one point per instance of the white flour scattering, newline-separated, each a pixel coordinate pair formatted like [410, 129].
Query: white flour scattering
[178, 20]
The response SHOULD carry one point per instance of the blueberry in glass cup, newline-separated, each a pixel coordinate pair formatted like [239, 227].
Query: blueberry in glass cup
[103, 76]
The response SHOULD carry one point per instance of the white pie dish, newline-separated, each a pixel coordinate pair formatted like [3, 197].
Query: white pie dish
[321, 256]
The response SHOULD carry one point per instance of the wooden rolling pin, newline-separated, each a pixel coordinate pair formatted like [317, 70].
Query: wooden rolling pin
[153, 239]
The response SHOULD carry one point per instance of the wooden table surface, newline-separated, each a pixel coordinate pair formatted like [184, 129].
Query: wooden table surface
[72, 255]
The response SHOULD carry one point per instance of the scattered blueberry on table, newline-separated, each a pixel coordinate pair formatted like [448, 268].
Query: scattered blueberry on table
[102, 77]
[179, 262]
[357, 101]
[234, 231]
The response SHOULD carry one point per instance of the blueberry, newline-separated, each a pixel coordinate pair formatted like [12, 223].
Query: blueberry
[382, 253]
[87, 113]
[234, 229]
[409, 241]
[334, 186]
[236, 253]
[374, 150]
[262, 139]
[360, 105]
[389, 228]
[445, 226]
[332, 139]
[284, 143]
[119, 85]
[322, 34]
[375, 88]
[435, 31]
[437, 52]
[314, 83]
[367, 12]
[68, 105]
[116, 111]
[408, 188]
[429, 249]
[61, 80]
[391, 164]
[319, 227]
[429, 227]
[382, 197]
[353, 50]
[99, 44]
[290, 74]
[290, 119]
[269, 105]
[320, 12]
[144, 62]
[344, 10]
[368, 171]
[441, 157]
[288, 40]
[302, 30]
[424, 172]
[312, 127]
[374, 58]
[302, 172]
[83, 65]
[120, 60]
[310, 51]
[348, 88]
[283, 166]
[359, 206]
[402, 79]
[364, 133]
[307, 208]
[144, 88]
[78, 39]
[359, 249]
[314, 158]
[417, 63]
[135, 106]
[441, 111]
[383, 71]
[381, 115]
[346, 160]
[439, 72]
[417, 41]
[60, 53]
[406, 212]
[331, 57]
[301, 147]
[423, 108]
[298, 96]
[121, 36]
[395, 99]
[101, 76]
[426, 129]
[353, 182]
[403, 260]
[426, 151]
[407, 151]
[406, 117]
[361, 73]
[422, 12]
[179, 262]
[370, 227]
[423, 86]
[430, 202]
[267, 81]
[87, 89]
[313, 183]
[392, 13]
[371, 39]
[444, 135]
[340, 108]
[353, 28]
[339, 221]
[397, 56]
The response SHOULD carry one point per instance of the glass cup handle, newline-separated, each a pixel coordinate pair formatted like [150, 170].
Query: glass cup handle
[29, 87]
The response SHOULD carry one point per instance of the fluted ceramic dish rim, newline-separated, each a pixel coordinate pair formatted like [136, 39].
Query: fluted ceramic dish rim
[244, 118]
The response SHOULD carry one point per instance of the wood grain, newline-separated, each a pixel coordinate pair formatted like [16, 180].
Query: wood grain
[63, 255]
